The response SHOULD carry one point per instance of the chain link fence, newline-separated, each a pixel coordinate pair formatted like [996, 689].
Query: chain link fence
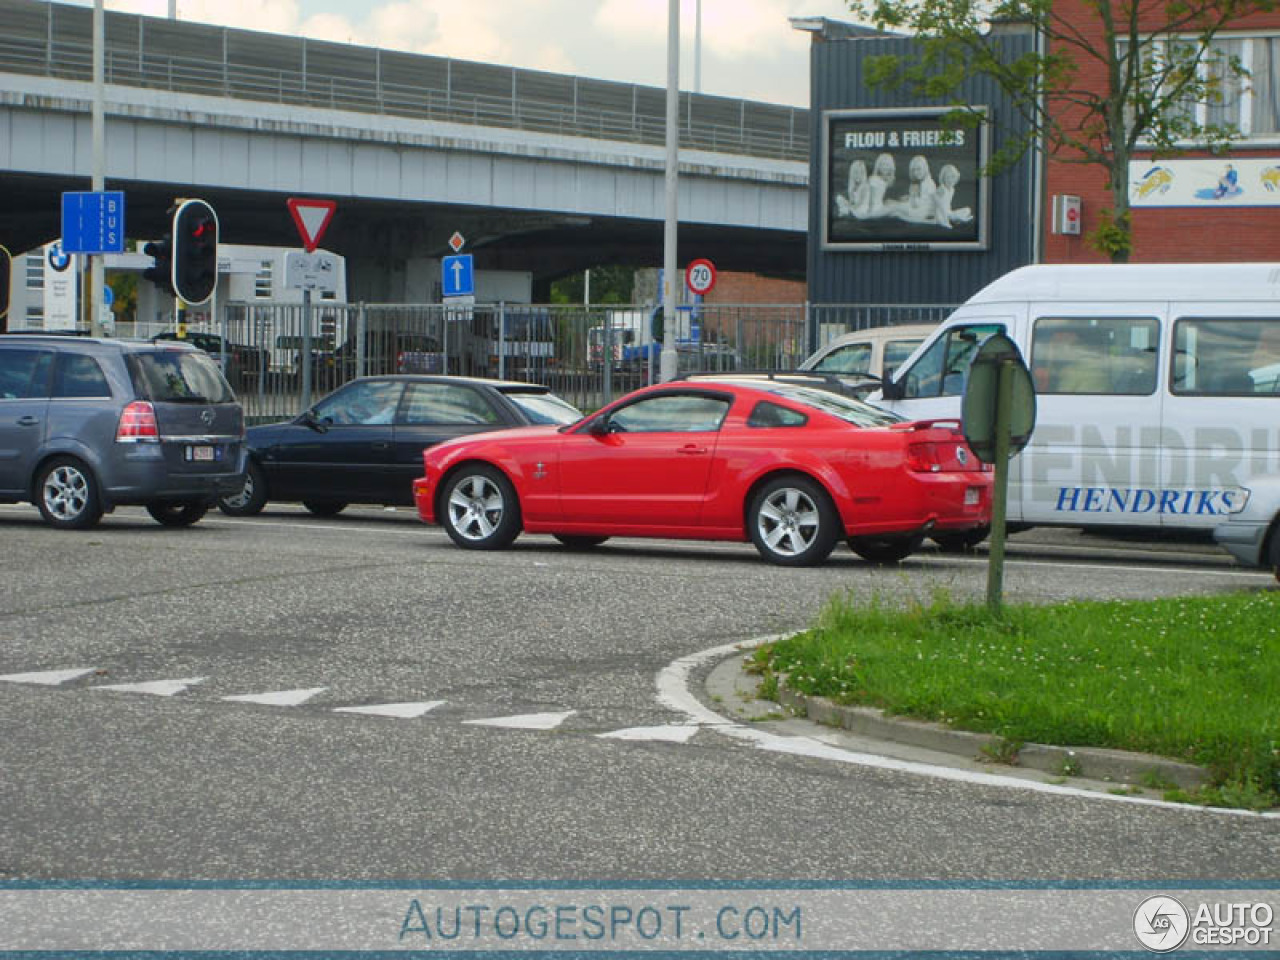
[280, 358]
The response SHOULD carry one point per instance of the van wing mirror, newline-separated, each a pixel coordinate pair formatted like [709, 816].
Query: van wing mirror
[891, 389]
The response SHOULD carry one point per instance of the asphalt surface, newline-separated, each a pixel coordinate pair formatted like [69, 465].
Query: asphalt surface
[376, 609]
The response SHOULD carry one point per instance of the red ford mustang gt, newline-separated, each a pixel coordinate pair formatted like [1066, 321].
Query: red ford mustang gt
[792, 468]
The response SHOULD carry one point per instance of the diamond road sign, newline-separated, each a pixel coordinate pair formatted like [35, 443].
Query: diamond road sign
[93, 222]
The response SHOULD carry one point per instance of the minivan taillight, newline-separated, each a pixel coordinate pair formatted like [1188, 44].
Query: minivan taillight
[138, 424]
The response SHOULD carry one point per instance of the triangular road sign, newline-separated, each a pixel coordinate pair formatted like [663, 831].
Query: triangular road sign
[312, 217]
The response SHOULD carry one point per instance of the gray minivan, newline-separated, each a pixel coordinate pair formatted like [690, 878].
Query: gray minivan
[87, 425]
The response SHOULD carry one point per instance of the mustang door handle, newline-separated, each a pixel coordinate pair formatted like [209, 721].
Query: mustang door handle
[28, 421]
[692, 448]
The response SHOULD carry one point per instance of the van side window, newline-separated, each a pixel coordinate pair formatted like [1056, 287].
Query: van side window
[79, 376]
[851, 358]
[941, 370]
[1095, 355]
[1226, 357]
[24, 374]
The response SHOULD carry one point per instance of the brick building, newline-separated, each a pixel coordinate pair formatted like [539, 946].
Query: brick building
[1191, 207]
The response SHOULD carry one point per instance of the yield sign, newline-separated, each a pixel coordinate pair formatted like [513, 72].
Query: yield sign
[312, 217]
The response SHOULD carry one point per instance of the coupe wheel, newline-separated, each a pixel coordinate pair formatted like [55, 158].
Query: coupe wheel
[324, 508]
[67, 495]
[792, 522]
[480, 510]
[250, 498]
[885, 550]
[574, 542]
[961, 542]
[181, 514]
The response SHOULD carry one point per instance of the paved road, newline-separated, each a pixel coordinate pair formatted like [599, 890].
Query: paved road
[371, 608]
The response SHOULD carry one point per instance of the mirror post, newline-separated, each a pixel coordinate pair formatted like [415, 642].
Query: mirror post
[1000, 489]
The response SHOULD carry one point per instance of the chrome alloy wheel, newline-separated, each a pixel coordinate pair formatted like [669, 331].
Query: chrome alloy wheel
[241, 499]
[476, 508]
[788, 521]
[65, 493]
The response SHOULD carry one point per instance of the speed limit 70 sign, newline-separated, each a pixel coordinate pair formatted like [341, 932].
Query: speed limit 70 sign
[700, 276]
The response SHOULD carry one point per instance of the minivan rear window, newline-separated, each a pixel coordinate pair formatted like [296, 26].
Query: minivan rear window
[179, 376]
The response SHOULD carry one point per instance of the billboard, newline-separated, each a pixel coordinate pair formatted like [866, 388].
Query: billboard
[901, 179]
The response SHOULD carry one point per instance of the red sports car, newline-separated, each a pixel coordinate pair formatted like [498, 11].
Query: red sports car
[792, 468]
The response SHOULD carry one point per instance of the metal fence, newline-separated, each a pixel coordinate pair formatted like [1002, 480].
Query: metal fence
[279, 364]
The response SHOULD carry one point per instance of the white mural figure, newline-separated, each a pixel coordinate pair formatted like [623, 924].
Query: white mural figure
[856, 200]
[943, 213]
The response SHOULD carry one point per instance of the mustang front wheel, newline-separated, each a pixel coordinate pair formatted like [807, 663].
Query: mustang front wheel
[479, 509]
[792, 522]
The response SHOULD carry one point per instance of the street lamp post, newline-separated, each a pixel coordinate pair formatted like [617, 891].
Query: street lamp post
[667, 367]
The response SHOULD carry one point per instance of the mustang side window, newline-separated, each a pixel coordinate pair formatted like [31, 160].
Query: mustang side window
[941, 370]
[670, 413]
[1227, 357]
[1095, 355]
[768, 414]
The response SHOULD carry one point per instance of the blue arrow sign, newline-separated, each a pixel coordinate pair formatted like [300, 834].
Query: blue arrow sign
[457, 276]
[93, 222]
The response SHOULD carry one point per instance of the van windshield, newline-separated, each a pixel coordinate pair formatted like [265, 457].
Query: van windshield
[179, 376]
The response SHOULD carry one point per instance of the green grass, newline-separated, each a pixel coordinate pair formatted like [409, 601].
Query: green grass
[1192, 679]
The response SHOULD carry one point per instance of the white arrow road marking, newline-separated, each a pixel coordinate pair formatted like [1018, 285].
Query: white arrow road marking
[671, 733]
[160, 688]
[405, 711]
[674, 693]
[528, 721]
[48, 678]
[278, 698]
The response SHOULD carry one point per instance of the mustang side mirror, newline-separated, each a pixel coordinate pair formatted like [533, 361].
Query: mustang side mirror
[599, 427]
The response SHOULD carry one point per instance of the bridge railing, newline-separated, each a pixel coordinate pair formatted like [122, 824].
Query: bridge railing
[589, 354]
[52, 40]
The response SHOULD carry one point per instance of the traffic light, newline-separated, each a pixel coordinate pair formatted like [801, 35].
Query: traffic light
[195, 251]
[161, 270]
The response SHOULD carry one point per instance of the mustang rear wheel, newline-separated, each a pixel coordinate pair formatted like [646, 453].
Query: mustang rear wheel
[67, 495]
[479, 509]
[178, 514]
[792, 522]
[250, 498]
[885, 550]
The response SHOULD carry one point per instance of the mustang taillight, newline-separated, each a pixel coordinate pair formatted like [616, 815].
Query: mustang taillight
[138, 424]
[923, 458]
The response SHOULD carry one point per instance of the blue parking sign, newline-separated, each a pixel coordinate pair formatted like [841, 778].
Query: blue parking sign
[93, 222]
[457, 276]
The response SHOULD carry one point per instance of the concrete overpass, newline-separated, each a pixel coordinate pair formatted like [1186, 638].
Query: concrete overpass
[541, 172]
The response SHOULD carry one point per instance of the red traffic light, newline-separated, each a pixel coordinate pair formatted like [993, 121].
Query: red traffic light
[195, 251]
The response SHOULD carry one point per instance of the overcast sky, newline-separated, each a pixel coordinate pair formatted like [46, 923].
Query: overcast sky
[748, 47]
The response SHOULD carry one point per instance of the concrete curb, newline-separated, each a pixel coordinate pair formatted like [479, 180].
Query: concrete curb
[1109, 766]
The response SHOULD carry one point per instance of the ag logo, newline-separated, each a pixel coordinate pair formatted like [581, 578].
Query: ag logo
[1161, 924]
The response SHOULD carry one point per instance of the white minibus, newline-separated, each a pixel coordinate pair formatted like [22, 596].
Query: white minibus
[1158, 396]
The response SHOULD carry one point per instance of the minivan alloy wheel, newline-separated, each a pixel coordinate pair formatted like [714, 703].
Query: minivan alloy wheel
[67, 496]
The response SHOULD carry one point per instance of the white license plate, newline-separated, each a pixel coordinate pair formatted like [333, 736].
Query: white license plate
[973, 496]
[200, 453]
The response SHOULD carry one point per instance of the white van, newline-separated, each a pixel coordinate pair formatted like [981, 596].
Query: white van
[1158, 395]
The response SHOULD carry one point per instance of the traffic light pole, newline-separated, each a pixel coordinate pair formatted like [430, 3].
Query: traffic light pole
[306, 348]
[99, 161]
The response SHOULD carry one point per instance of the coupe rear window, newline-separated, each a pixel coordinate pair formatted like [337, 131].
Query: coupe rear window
[846, 408]
[179, 376]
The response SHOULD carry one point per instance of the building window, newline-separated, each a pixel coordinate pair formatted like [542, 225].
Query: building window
[262, 280]
[35, 272]
[1249, 104]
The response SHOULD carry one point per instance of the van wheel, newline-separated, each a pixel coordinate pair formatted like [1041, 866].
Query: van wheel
[67, 495]
[324, 508]
[479, 509]
[885, 550]
[575, 542]
[250, 498]
[181, 514]
[962, 542]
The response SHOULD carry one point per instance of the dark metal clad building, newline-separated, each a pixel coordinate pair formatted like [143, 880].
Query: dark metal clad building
[899, 211]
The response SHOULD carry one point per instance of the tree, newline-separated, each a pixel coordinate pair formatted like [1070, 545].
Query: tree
[1107, 79]
[608, 285]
